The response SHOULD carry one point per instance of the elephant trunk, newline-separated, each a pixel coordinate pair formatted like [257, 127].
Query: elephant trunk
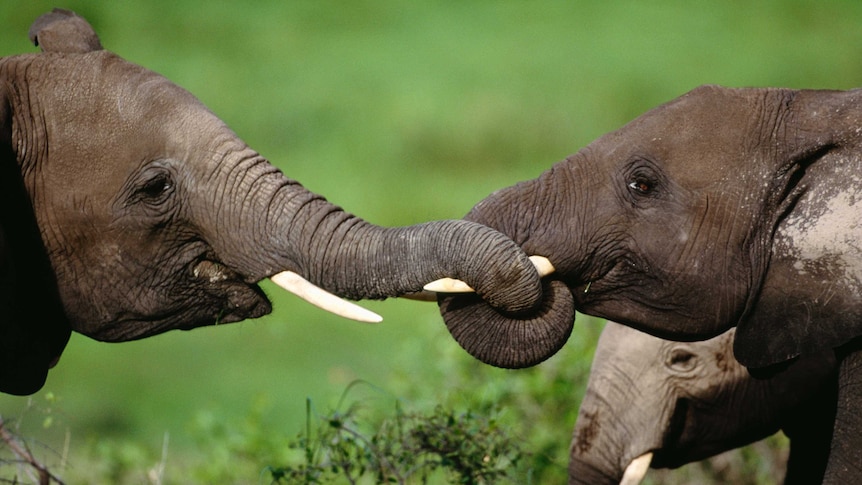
[514, 339]
[347, 256]
[591, 468]
[582, 473]
[595, 452]
[358, 260]
[614, 437]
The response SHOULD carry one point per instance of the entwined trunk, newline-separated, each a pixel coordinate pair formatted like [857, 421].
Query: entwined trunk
[515, 339]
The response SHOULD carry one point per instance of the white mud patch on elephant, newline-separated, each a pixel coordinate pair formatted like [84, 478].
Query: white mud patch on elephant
[823, 234]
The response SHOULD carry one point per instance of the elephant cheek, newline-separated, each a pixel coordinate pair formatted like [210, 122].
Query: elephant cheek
[511, 341]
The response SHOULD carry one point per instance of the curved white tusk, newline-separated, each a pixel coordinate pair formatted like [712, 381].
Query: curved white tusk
[319, 297]
[543, 265]
[637, 469]
[450, 285]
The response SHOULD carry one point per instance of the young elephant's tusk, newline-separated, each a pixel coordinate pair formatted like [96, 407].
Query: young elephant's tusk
[543, 265]
[637, 469]
[450, 285]
[319, 297]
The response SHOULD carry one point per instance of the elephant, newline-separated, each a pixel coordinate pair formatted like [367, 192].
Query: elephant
[678, 402]
[722, 208]
[130, 209]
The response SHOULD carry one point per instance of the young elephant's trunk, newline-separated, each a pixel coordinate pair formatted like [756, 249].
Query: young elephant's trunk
[513, 339]
[596, 448]
[358, 260]
[581, 473]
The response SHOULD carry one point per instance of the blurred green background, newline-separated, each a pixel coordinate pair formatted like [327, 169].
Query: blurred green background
[401, 112]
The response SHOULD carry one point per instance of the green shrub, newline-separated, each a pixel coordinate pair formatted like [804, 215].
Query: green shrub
[407, 447]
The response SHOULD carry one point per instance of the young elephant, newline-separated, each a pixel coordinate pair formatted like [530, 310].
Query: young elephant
[129, 209]
[683, 402]
[722, 208]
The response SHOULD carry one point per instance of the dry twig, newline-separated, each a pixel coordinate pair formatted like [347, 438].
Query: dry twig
[22, 451]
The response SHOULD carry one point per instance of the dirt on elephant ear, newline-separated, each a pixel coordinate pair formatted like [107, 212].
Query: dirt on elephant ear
[588, 430]
[722, 362]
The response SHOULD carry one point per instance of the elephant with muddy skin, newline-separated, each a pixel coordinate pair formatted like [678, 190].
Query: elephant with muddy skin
[129, 209]
[657, 402]
[722, 208]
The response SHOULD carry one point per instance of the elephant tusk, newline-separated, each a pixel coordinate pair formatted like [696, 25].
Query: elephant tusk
[637, 469]
[450, 285]
[319, 297]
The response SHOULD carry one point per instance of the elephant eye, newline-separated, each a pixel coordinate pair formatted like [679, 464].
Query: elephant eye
[682, 360]
[642, 178]
[155, 189]
[641, 186]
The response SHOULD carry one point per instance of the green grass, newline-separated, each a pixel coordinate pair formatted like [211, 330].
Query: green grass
[400, 112]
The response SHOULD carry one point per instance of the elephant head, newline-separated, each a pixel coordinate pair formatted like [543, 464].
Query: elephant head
[724, 207]
[674, 403]
[129, 209]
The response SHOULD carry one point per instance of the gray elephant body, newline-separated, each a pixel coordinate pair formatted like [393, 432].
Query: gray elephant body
[130, 209]
[722, 208]
[684, 402]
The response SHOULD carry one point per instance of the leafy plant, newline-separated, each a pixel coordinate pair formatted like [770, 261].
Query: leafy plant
[404, 448]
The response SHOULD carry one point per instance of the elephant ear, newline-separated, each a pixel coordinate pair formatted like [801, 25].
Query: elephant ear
[64, 31]
[33, 327]
[808, 301]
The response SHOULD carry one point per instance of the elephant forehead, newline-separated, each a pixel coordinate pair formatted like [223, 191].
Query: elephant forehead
[704, 139]
[150, 117]
[170, 118]
[101, 88]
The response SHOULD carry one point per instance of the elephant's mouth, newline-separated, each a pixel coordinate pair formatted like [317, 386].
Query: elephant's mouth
[217, 294]
[669, 455]
[236, 299]
[213, 271]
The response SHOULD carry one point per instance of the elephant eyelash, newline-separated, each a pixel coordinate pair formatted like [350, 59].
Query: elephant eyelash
[155, 189]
